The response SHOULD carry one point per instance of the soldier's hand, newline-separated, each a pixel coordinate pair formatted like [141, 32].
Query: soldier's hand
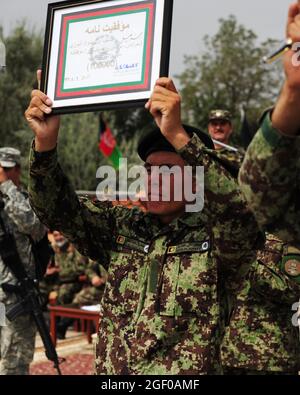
[52, 296]
[291, 58]
[44, 125]
[286, 115]
[52, 270]
[3, 176]
[165, 107]
[97, 281]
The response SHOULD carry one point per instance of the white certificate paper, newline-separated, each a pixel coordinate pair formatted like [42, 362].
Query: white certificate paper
[105, 50]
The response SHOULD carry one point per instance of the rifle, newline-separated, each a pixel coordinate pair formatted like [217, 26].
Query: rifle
[27, 288]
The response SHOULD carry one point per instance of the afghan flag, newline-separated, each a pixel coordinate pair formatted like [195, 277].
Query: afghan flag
[108, 144]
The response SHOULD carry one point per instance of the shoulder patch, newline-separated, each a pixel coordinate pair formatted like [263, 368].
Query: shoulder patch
[292, 267]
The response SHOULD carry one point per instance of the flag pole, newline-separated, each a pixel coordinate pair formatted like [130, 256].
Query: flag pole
[225, 146]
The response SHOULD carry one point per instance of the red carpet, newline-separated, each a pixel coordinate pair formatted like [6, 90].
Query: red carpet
[76, 364]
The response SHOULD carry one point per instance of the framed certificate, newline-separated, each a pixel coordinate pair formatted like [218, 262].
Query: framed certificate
[101, 55]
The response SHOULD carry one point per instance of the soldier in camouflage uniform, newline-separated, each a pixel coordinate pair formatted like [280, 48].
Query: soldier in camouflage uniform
[169, 271]
[270, 176]
[92, 292]
[17, 338]
[261, 338]
[62, 280]
[72, 266]
[220, 129]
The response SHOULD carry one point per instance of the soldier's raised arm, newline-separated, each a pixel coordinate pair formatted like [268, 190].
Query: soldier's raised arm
[235, 231]
[51, 194]
[269, 176]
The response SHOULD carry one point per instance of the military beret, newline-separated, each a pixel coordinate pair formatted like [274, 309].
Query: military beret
[220, 115]
[9, 157]
[154, 141]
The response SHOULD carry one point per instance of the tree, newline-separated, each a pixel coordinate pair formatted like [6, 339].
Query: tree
[126, 123]
[23, 56]
[230, 74]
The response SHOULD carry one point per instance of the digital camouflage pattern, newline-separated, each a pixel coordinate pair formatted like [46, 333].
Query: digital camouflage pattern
[71, 266]
[261, 336]
[19, 219]
[270, 181]
[164, 301]
[93, 269]
[235, 158]
[66, 283]
[91, 294]
[17, 346]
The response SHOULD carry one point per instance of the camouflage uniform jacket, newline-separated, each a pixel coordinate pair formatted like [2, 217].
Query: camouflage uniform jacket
[18, 218]
[71, 264]
[231, 160]
[261, 336]
[234, 157]
[95, 269]
[161, 305]
[270, 180]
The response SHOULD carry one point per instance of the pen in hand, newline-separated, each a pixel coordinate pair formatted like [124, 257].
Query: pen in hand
[279, 52]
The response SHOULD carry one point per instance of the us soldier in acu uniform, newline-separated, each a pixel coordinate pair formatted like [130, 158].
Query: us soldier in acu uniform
[261, 338]
[168, 270]
[220, 129]
[17, 338]
[270, 176]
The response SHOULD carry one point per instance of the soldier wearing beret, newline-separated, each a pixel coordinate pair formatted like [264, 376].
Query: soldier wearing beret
[270, 175]
[169, 271]
[17, 338]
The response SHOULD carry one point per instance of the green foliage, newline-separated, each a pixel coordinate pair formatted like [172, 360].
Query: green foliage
[77, 149]
[23, 56]
[230, 74]
[127, 123]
